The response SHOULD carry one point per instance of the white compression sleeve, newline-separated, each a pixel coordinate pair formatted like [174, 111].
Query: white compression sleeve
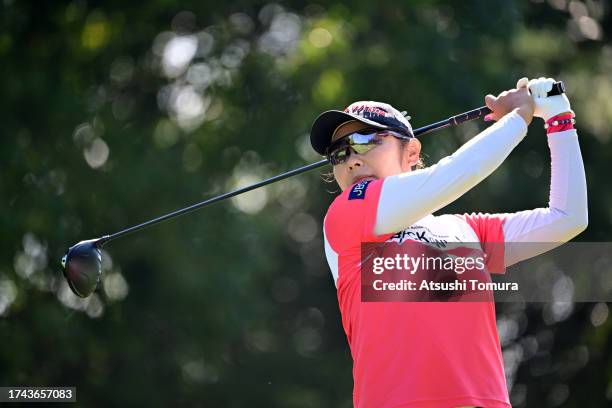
[408, 197]
[567, 214]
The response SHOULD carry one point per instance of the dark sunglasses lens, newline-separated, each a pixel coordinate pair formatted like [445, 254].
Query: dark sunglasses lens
[363, 149]
[339, 155]
[361, 142]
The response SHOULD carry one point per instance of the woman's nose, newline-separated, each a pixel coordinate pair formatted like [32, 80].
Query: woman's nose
[354, 161]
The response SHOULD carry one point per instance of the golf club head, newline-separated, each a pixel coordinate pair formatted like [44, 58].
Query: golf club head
[82, 267]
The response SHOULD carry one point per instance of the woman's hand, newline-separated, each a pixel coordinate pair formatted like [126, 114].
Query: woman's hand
[547, 106]
[517, 99]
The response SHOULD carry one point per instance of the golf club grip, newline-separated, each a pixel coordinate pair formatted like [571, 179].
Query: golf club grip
[557, 89]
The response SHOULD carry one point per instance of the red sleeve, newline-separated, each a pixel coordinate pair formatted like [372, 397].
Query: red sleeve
[351, 217]
[490, 232]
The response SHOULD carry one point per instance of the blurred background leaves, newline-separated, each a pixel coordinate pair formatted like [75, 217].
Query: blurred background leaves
[114, 113]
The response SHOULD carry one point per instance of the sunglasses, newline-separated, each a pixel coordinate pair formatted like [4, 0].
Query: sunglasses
[359, 142]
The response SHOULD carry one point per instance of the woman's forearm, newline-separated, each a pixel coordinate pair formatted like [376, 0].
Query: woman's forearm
[566, 215]
[408, 197]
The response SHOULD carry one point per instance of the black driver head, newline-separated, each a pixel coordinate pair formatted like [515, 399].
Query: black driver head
[82, 267]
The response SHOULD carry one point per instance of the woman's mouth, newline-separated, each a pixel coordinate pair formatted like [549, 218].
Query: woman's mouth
[362, 178]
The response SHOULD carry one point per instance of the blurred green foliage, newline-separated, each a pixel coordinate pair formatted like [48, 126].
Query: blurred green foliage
[115, 112]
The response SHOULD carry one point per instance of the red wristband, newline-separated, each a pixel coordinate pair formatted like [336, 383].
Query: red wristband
[559, 123]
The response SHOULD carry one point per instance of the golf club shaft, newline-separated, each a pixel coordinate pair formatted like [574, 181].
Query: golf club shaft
[452, 121]
[107, 238]
[420, 131]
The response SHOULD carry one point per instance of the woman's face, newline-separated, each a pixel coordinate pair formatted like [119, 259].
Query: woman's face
[386, 159]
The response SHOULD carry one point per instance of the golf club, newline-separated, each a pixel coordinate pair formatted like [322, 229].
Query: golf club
[82, 263]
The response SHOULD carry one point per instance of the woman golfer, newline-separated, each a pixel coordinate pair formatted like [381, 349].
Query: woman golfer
[436, 354]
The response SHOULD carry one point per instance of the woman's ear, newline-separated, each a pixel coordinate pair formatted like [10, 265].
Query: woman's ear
[411, 154]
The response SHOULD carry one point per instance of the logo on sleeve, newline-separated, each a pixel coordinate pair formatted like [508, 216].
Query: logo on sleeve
[358, 191]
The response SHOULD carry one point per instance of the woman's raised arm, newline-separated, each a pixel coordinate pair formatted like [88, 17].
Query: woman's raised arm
[408, 197]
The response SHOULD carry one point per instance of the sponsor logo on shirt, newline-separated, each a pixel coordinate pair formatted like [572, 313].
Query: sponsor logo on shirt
[421, 236]
[358, 191]
[422, 233]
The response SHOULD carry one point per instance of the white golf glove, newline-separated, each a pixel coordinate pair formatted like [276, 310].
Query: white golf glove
[545, 106]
